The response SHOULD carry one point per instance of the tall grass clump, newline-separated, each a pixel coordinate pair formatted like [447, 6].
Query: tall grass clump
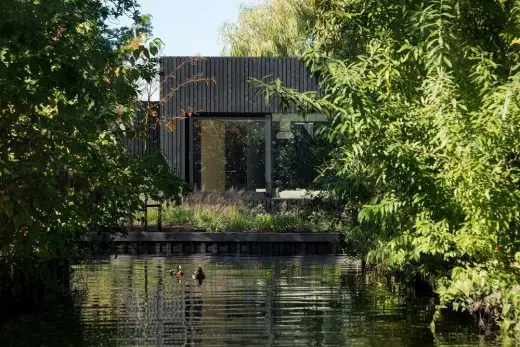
[220, 215]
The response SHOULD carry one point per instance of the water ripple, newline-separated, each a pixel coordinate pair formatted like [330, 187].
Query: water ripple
[285, 301]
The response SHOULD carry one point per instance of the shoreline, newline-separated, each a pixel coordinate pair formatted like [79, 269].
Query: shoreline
[226, 243]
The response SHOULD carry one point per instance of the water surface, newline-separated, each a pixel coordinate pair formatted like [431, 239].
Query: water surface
[244, 301]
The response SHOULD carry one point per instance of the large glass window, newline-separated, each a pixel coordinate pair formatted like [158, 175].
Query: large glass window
[228, 154]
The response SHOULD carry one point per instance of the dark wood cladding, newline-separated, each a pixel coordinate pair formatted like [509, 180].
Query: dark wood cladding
[229, 91]
[138, 147]
[219, 86]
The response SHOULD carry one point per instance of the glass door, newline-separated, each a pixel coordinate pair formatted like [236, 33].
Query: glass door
[228, 154]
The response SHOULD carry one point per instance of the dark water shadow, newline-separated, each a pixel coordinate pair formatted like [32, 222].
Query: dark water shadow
[58, 325]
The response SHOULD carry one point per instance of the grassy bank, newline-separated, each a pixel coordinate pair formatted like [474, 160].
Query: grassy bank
[235, 218]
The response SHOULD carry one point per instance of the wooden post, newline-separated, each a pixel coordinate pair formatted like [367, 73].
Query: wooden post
[130, 222]
[146, 212]
[159, 217]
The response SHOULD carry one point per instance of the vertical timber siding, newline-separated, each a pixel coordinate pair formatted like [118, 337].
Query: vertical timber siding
[138, 147]
[231, 92]
[223, 88]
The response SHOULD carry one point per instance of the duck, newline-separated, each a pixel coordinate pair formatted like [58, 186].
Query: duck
[198, 275]
[177, 273]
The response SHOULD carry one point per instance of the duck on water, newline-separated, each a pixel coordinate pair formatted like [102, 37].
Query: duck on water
[177, 273]
[197, 275]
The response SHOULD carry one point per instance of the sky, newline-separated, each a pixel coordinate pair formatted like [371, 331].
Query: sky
[191, 27]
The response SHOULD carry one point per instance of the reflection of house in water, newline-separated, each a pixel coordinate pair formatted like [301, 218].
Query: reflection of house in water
[235, 139]
[138, 303]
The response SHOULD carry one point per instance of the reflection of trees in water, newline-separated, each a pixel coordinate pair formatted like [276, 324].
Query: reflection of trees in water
[193, 314]
[297, 159]
[312, 326]
[370, 313]
[134, 301]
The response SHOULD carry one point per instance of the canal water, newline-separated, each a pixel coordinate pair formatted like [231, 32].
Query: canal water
[243, 301]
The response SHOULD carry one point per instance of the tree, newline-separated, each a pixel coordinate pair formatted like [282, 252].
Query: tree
[68, 92]
[270, 28]
[423, 99]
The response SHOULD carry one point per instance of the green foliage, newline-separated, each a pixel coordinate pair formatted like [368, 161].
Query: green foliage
[269, 28]
[68, 91]
[158, 180]
[423, 99]
[492, 296]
